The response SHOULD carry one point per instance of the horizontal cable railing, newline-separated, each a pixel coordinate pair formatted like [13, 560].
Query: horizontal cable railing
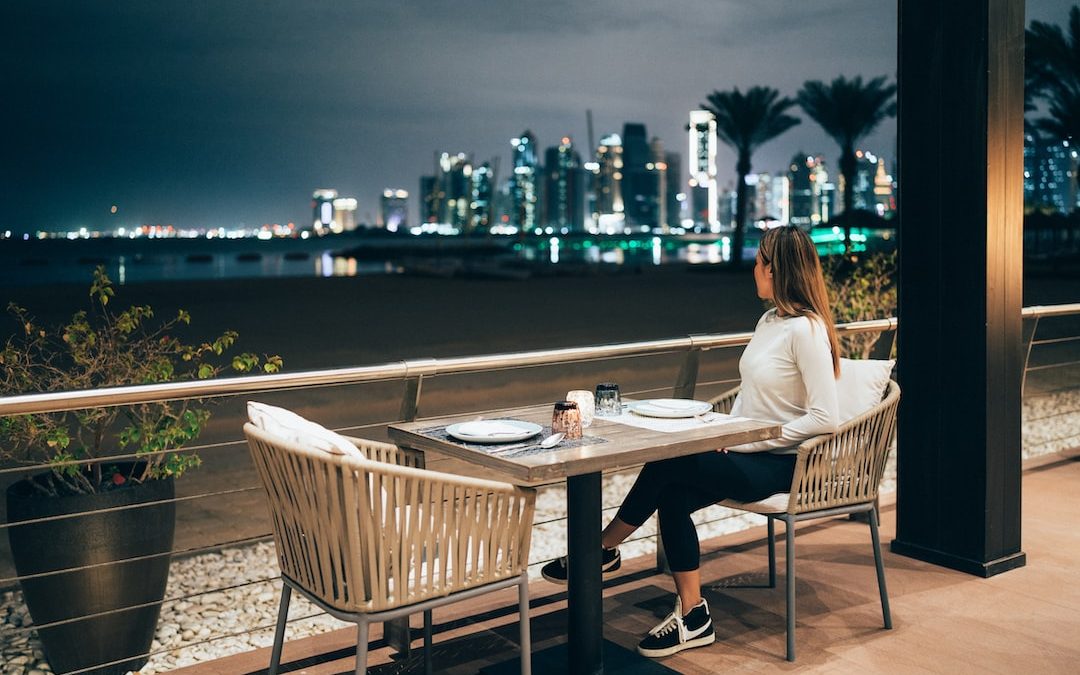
[409, 370]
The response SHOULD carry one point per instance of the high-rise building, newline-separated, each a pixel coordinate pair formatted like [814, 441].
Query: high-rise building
[526, 192]
[456, 174]
[1050, 174]
[640, 185]
[657, 167]
[331, 213]
[884, 190]
[771, 203]
[811, 194]
[344, 215]
[483, 179]
[322, 206]
[431, 196]
[564, 188]
[862, 198]
[394, 209]
[609, 209]
[704, 195]
[675, 189]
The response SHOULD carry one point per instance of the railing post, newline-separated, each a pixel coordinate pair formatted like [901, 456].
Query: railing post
[1027, 338]
[410, 400]
[883, 346]
[686, 382]
[398, 632]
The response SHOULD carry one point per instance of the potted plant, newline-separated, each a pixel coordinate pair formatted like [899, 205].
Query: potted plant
[99, 515]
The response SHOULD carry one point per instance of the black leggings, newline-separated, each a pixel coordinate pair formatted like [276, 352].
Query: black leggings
[679, 486]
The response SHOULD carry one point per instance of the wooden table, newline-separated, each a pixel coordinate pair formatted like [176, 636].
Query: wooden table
[618, 446]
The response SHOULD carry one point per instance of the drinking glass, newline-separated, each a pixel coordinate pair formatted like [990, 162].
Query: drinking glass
[566, 420]
[585, 403]
[608, 403]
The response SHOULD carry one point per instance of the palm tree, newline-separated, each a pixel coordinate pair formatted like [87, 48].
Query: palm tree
[745, 122]
[848, 111]
[1052, 62]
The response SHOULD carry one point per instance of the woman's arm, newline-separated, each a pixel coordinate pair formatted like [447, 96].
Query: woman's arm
[813, 358]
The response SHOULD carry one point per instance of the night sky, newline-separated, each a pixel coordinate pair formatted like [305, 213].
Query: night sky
[218, 112]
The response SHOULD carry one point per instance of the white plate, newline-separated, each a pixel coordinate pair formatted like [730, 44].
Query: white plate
[493, 431]
[670, 407]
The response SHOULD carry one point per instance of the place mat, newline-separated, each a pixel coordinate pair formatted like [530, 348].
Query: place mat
[669, 425]
[440, 433]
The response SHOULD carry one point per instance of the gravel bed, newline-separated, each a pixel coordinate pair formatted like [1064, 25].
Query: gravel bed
[218, 595]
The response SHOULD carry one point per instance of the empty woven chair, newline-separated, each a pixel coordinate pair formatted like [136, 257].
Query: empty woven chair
[370, 536]
[835, 474]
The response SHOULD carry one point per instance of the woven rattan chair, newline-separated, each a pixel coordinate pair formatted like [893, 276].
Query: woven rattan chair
[835, 474]
[378, 539]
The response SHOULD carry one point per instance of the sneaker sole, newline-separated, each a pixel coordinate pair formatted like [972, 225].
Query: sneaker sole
[702, 641]
[603, 574]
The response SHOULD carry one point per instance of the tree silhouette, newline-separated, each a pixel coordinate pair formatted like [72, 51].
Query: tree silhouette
[848, 111]
[745, 122]
[1052, 73]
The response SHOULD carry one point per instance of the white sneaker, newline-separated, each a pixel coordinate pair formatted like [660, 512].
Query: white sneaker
[677, 632]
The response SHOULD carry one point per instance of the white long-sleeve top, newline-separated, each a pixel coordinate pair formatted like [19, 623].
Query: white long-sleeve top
[787, 378]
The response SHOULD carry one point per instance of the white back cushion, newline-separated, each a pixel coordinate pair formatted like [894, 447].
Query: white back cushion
[293, 428]
[861, 385]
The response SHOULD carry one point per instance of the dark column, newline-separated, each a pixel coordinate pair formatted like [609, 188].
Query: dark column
[960, 119]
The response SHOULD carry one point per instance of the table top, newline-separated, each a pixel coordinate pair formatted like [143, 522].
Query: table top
[607, 445]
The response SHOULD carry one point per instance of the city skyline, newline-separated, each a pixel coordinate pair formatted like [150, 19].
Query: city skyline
[206, 115]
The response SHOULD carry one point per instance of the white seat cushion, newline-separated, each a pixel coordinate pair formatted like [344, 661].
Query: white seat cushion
[861, 385]
[293, 428]
[777, 503]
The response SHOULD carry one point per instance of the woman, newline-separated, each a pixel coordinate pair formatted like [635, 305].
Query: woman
[789, 372]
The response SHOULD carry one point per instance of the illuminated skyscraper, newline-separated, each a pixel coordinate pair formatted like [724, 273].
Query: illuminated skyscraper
[609, 211]
[675, 189]
[873, 186]
[704, 195]
[322, 206]
[1050, 174]
[884, 193]
[524, 214]
[344, 215]
[771, 199]
[456, 177]
[483, 179]
[657, 168]
[811, 194]
[564, 188]
[394, 209]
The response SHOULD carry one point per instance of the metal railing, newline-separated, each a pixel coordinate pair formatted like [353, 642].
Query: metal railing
[414, 373]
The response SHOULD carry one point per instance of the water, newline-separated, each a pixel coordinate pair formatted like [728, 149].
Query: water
[24, 263]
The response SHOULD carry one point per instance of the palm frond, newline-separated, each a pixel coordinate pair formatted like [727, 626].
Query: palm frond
[848, 110]
[1052, 74]
[745, 121]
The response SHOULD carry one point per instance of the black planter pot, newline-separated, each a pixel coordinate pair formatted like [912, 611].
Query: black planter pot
[91, 539]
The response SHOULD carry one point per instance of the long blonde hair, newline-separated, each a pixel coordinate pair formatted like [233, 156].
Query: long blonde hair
[798, 283]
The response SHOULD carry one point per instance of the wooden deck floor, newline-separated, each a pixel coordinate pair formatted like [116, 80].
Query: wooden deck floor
[1023, 621]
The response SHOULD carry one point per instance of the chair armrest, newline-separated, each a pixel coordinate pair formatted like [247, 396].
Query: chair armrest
[438, 533]
[388, 453]
[723, 402]
[846, 467]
